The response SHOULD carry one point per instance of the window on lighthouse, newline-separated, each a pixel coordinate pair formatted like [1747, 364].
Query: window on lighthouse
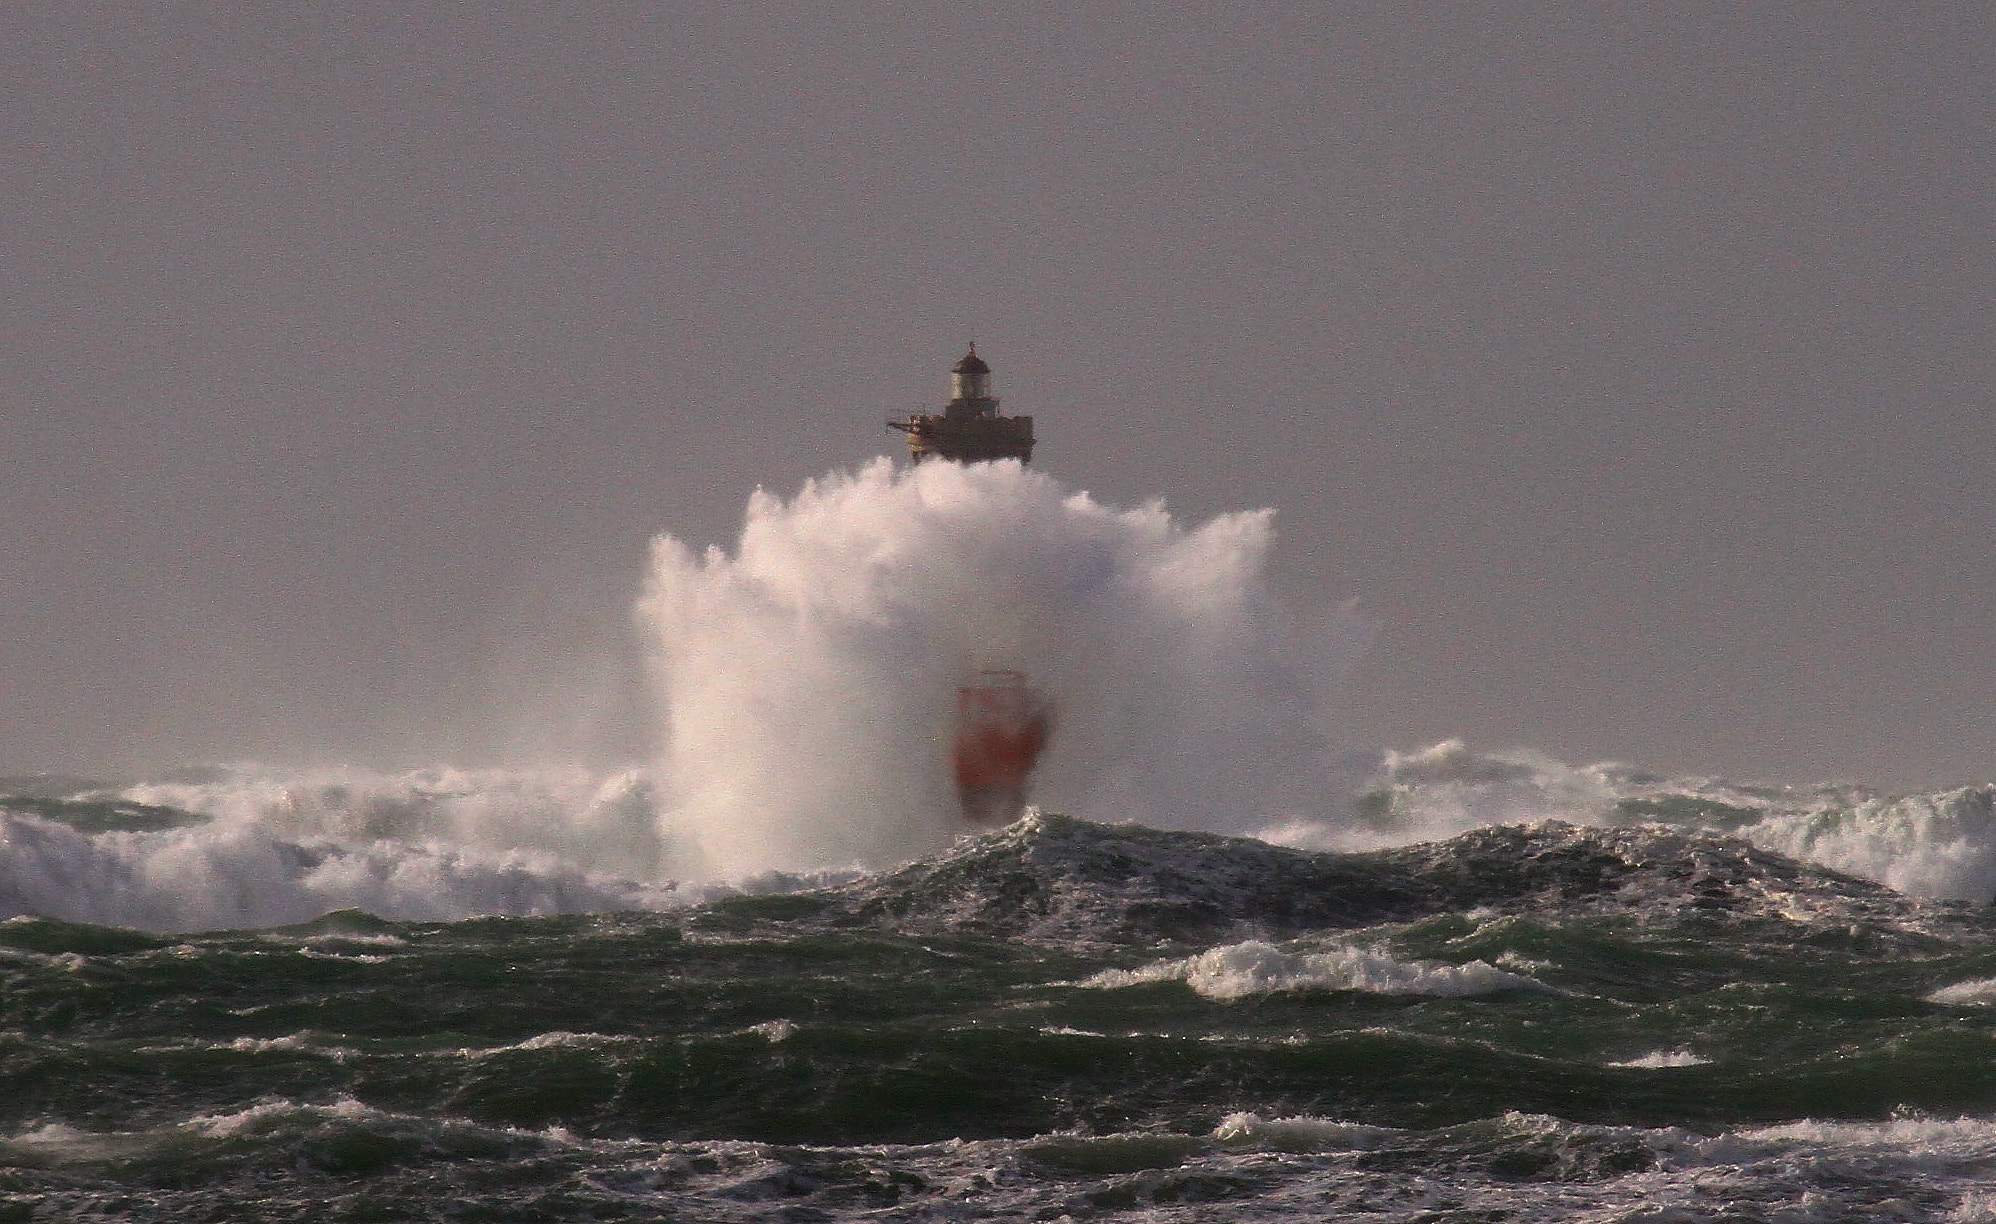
[970, 378]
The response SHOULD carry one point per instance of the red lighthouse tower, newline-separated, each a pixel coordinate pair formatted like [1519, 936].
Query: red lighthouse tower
[1001, 726]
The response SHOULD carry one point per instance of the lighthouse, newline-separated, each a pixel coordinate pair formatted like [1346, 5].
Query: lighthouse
[1002, 722]
[969, 429]
[1001, 727]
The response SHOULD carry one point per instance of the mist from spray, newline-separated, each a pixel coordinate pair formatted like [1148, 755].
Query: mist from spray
[807, 680]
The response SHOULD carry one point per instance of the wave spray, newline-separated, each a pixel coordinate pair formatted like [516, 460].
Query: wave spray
[810, 679]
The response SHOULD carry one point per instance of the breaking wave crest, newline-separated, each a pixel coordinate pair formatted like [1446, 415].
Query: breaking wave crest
[1238, 970]
[252, 850]
[1940, 845]
[248, 846]
[602, 823]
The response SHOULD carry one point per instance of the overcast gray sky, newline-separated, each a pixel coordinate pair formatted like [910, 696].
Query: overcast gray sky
[1629, 363]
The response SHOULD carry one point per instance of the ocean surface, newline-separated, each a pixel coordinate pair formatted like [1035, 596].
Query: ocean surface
[1498, 988]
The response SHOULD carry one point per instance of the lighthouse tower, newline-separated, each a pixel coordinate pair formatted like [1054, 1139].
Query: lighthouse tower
[969, 429]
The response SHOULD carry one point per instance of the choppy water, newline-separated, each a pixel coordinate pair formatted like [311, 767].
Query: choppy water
[1633, 1014]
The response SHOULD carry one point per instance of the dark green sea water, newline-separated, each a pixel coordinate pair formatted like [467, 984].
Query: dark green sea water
[881, 1047]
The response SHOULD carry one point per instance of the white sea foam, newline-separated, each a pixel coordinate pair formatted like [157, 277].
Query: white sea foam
[351, 958]
[1238, 970]
[1939, 845]
[808, 677]
[428, 845]
[241, 873]
[289, 1042]
[602, 823]
[1935, 1142]
[269, 1114]
[1658, 1059]
[559, 1039]
[1445, 789]
[1980, 992]
[1256, 1133]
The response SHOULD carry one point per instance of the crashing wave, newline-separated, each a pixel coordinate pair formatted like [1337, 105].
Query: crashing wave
[230, 874]
[250, 846]
[807, 673]
[602, 823]
[1940, 845]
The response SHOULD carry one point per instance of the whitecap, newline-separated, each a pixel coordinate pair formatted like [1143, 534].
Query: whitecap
[1253, 1132]
[1659, 1059]
[1237, 970]
[1981, 991]
[558, 1039]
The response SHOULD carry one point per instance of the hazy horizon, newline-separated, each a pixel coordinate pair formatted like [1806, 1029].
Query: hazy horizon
[1628, 369]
